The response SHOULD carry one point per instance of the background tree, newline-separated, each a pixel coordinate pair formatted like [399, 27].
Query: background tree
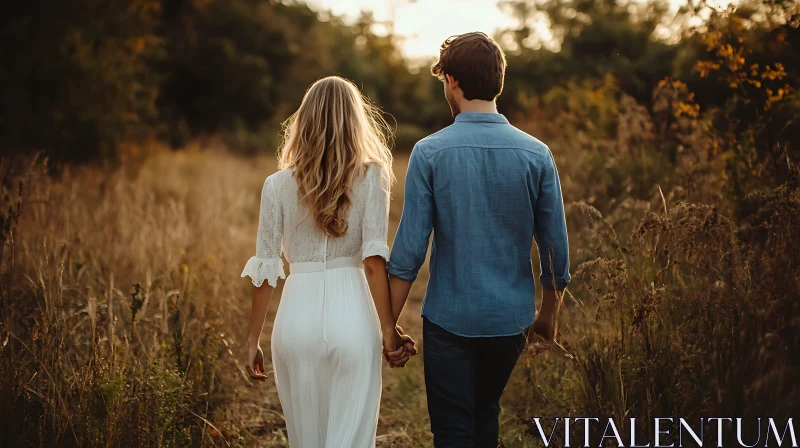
[77, 78]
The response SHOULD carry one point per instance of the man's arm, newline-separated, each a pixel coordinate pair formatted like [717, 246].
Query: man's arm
[550, 229]
[550, 233]
[411, 242]
[542, 333]
[398, 290]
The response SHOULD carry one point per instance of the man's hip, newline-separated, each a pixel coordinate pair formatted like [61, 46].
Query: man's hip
[465, 378]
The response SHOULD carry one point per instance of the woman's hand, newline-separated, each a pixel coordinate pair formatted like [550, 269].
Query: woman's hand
[255, 358]
[398, 347]
[255, 363]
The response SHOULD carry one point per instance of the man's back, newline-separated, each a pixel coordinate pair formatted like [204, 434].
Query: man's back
[486, 189]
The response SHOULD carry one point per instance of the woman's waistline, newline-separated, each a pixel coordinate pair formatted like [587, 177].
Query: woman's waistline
[321, 266]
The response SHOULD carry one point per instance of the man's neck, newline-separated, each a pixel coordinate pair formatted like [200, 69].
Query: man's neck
[487, 107]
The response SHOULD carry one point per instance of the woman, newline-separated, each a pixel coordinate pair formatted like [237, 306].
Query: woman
[328, 210]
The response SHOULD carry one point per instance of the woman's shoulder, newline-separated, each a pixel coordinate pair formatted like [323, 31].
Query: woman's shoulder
[279, 177]
[277, 182]
[377, 173]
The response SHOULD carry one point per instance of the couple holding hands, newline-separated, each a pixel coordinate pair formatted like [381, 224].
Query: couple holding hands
[485, 190]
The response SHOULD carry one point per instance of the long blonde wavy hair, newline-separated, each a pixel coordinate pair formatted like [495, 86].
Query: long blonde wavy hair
[331, 140]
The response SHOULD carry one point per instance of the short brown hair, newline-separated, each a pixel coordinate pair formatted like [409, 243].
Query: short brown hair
[476, 62]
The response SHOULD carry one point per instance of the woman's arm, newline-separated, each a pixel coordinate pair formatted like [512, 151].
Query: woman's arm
[375, 252]
[264, 269]
[378, 280]
[258, 314]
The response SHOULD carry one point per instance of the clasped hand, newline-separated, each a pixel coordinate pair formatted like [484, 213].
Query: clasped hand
[398, 347]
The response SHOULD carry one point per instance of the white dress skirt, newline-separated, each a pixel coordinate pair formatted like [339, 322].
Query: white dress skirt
[326, 349]
[326, 340]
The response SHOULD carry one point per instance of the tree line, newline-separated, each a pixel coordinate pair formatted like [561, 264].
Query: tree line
[81, 79]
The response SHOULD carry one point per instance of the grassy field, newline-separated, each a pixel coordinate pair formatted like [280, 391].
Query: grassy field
[179, 228]
[122, 313]
[124, 316]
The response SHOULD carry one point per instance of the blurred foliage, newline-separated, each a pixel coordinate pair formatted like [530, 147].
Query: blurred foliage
[593, 39]
[77, 79]
[751, 66]
[719, 85]
[84, 80]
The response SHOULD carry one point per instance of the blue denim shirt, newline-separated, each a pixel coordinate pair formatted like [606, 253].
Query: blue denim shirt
[486, 190]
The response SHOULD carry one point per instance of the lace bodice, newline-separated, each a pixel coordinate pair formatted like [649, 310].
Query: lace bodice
[284, 225]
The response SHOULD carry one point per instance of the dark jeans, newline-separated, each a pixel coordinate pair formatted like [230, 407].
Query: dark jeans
[464, 378]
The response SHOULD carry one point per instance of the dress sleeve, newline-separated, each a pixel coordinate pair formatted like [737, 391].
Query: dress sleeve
[267, 264]
[375, 225]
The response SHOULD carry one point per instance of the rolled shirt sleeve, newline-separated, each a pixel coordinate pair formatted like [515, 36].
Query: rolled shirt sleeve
[411, 242]
[550, 230]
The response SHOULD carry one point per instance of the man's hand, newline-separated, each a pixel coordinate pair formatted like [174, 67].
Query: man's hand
[541, 334]
[255, 363]
[398, 347]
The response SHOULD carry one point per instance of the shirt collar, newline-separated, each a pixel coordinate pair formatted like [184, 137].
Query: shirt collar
[481, 117]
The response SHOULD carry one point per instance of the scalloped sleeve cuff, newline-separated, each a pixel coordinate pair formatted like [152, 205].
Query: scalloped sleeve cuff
[260, 269]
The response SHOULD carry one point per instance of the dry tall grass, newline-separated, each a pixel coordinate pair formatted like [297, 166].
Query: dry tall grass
[124, 315]
[123, 307]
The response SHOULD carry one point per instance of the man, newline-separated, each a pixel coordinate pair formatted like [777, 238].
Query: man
[485, 189]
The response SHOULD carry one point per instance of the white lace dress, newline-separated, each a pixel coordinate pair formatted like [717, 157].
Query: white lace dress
[326, 343]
